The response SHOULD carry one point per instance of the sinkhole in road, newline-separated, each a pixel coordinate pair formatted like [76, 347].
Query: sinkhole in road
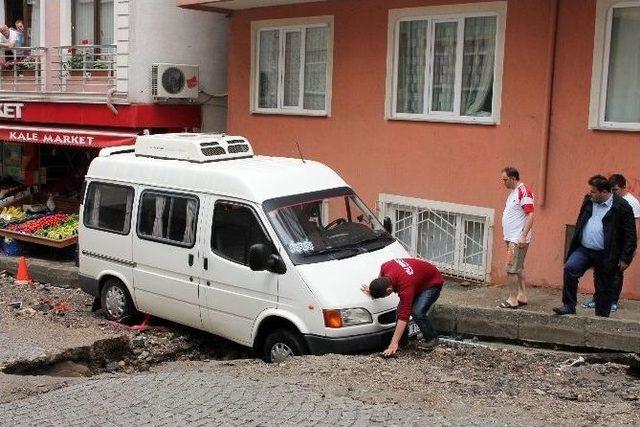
[82, 361]
[130, 354]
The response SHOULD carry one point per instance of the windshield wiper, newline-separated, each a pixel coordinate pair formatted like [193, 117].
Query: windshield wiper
[334, 250]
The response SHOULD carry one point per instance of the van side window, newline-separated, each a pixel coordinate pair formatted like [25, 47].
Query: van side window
[235, 228]
[108, 207]
[168, 218]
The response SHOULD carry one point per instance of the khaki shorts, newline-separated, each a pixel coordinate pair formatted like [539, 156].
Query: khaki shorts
[515, 258]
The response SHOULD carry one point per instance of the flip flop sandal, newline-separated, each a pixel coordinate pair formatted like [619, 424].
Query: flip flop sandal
[505, 304]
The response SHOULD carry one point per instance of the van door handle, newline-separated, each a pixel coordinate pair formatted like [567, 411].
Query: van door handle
[206, 263]
[190, 260]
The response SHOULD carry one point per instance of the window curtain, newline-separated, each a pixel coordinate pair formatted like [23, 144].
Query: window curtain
[411, 67]
[268, 69]
[437, 236]
[292, 51]
[444, 66]
[106, 22]
[34, 32]
[189, 228]
[623, 87]
[158, 230]
[477, 66]
[127, 212]
[315, 68]
[83, 23]
[473, 243]
[94, 216]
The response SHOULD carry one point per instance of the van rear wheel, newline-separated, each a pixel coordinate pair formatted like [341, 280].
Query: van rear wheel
[282, 344]
[116, 302]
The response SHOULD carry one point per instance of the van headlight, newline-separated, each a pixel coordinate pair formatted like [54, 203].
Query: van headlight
[346, 317]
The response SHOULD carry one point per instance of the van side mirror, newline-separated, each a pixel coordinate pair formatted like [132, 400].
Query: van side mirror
[263, 258]
[387, 224]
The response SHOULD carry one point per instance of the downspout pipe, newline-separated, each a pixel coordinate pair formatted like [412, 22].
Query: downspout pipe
[546, 124]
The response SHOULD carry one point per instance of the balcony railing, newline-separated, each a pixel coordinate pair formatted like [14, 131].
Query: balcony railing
[74, 70]
[22, 69]
[84, 68]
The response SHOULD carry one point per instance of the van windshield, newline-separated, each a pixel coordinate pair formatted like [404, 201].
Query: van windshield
[325, 225]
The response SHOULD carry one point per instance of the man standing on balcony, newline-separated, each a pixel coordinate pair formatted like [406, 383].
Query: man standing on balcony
[17, 33]
[517, 220]
[5, 43]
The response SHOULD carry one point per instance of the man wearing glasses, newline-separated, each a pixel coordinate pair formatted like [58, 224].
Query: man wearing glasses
[517, 220]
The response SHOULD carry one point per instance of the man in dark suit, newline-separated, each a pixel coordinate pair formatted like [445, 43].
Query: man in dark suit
[605, 239]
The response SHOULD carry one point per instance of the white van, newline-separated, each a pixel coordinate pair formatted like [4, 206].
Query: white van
[267, 252]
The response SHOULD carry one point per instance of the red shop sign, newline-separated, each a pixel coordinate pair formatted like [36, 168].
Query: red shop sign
[70, 137]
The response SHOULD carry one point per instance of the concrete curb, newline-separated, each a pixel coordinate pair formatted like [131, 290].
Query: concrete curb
[64, 274]
[575, 331]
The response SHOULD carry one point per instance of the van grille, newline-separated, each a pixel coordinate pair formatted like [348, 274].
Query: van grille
[387, 318]
[213, 151]
[233, 149]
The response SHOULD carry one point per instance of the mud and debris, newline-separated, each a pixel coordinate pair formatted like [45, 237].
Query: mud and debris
[465, 381]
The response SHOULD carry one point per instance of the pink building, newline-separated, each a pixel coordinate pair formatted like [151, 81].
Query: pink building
[420, 103]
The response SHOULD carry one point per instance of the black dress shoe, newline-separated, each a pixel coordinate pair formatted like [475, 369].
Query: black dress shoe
[561, 311]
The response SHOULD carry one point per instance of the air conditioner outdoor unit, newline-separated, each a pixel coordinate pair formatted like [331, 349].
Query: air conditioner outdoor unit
[174, 81]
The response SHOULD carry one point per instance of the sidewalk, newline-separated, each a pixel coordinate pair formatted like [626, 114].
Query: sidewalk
[473, 311]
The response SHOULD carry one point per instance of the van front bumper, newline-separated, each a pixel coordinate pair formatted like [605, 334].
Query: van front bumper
[348, 345]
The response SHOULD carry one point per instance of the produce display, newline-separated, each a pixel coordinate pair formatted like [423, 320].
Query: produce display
[65, 230]
[53, 226]
[12, 213]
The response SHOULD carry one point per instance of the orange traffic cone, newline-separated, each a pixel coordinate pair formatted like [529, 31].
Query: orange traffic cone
[22, 278]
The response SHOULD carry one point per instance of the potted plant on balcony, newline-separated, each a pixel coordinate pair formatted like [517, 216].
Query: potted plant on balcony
[26, 68]
[74, 65]
[85, 63]
[100, 68]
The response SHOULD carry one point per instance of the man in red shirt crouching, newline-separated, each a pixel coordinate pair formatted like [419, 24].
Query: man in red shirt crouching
[418, 284]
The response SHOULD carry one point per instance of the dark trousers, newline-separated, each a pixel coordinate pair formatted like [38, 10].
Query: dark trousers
[618, 279]
[421, 305]
[578, 263]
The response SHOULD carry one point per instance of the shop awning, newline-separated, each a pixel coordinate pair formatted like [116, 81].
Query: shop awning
[70, 137]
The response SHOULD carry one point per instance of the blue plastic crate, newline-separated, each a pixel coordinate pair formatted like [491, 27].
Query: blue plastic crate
[12, 247]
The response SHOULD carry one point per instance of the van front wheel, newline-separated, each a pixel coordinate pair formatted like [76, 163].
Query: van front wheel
[116, 302]
[282, 344]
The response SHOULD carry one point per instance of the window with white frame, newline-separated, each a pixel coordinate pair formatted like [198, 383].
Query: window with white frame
[620, 84]
[445, 67]
[456, 238]
[292, 69]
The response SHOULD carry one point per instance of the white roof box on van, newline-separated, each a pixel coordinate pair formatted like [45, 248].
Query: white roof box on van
[193, 147]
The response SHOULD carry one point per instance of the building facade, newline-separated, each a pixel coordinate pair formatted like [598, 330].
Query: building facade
[80, 75]
[420, 103]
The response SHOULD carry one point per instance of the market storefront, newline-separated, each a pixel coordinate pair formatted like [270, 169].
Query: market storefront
[45, 151]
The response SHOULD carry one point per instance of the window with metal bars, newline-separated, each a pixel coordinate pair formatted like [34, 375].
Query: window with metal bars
[456, 238]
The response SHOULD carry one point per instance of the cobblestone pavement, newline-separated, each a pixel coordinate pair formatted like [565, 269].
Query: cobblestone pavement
[195, 398]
